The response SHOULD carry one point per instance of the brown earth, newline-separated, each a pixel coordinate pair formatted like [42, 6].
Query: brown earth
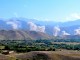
[3, 57]
[51, 55]
[22, 35]
[44, 55]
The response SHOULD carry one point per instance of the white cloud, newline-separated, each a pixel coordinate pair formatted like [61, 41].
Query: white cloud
[73, 16]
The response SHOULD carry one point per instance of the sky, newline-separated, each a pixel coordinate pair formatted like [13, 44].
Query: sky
[44, 10]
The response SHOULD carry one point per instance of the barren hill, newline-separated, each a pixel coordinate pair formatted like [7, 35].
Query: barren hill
[50, 55]
[22, 35]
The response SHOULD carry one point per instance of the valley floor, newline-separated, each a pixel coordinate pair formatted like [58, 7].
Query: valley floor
[44, 55]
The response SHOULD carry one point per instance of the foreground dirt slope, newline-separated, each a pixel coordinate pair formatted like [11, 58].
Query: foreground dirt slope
[3, 57]
[50, 55]
[43, 55]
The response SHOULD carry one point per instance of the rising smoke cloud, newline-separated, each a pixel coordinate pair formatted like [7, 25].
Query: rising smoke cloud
[41, 28]
[77, 31]
[65, 33]
[34, 27]
[14, 24]
[56, 30]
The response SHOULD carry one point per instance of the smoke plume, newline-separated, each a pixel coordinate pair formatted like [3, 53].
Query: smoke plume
[56, 30]
[34, 27]
[65, 33]
[15, 24]
[77, 31]
[41, 28]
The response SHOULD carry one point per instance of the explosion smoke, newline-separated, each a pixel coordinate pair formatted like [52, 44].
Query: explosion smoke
[41, 28]
[56, 30]
[65, 33]
[77, 31]
[13, 24]
[34, 27]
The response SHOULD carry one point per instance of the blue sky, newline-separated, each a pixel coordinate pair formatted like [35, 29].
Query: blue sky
[45, 10]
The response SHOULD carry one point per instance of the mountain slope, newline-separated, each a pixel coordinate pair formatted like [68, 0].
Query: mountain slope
[22, 35]
[22, 24]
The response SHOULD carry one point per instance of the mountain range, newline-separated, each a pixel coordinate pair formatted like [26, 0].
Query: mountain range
[22, 35]
[22, 24]
[23, 28]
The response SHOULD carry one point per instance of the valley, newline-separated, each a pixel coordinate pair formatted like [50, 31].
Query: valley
[44, 55]
[39, 50]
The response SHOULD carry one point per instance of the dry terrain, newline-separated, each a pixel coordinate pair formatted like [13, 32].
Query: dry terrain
[50, 55]
[44, 55]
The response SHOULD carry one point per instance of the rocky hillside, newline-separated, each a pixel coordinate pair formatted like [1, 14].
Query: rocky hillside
[22, 35]
[45, 26]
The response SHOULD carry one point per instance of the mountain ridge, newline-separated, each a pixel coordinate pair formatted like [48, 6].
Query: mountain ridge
[22, 24]
[22, 35]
